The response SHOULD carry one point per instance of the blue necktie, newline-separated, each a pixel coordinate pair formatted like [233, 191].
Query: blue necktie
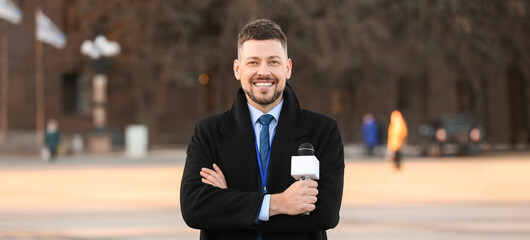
[264, 139]
[264, 145]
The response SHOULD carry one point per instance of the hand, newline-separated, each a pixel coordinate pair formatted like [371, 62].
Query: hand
[215, 178]
[300, 197]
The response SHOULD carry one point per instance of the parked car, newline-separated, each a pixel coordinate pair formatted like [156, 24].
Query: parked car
[452, 134]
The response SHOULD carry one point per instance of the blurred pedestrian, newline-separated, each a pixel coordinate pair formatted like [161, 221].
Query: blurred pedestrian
[397, 132]
[370, 131]
[52, 138]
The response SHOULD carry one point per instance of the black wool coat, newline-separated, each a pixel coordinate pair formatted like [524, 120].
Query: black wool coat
[228, 140]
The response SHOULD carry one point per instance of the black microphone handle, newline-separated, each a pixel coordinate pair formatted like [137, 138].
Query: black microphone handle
[305, 149]
[302, 178]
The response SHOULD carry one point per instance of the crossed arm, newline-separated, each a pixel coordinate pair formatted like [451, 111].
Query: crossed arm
[300, 197]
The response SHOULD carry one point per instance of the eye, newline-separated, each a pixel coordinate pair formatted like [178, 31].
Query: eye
[252, 63]
[274, 62]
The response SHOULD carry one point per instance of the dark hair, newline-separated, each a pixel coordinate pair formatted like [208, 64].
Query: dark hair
[261, 29]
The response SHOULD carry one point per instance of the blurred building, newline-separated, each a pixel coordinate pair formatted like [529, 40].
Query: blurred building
[168, 80]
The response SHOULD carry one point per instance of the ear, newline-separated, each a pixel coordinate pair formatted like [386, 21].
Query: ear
[289, 68]
[236, 69]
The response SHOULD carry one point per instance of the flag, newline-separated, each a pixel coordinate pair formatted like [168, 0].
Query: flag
[10, 12]
[49, 33]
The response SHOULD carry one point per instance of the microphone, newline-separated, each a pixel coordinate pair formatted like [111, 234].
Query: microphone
[305, 165]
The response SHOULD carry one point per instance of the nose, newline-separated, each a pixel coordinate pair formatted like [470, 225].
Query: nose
[263, 70]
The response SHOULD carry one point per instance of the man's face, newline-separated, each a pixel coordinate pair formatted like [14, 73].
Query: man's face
[263, 69]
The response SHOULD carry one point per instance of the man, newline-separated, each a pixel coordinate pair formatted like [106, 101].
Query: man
[370, 131]
[250, 193]
[52, 139]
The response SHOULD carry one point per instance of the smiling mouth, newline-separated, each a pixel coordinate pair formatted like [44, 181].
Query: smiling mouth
[263, 84]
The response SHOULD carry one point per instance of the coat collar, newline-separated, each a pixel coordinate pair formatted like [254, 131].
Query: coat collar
[291, 123]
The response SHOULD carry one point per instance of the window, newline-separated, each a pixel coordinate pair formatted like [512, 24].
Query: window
[72, 94]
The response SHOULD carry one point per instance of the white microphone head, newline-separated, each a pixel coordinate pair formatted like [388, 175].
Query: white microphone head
[305, 166]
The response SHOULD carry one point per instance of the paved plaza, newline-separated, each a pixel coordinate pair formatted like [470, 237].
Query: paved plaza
[113, 197]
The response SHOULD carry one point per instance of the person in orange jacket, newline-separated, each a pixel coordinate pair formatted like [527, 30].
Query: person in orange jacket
[397, 132]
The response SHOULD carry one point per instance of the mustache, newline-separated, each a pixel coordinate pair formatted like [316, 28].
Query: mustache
[265, 78]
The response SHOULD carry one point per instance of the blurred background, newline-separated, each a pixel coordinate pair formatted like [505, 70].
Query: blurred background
[106, 70]
[425, 58]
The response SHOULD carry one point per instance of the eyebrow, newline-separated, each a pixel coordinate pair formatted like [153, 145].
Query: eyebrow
[273, 56]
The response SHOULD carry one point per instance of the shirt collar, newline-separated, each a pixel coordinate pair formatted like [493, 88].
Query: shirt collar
[255, 113]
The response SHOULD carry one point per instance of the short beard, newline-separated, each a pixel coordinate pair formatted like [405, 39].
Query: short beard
[275, 97]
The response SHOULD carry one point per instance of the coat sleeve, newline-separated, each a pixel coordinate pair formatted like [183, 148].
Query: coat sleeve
[206, 207]
[326, 214]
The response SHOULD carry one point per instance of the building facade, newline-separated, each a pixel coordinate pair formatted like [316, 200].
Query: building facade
[142, 89]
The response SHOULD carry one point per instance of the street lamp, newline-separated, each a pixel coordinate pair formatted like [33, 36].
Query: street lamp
[100, 50]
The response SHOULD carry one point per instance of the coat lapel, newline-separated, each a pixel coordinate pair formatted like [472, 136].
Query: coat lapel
[238, 152]
[289, 134]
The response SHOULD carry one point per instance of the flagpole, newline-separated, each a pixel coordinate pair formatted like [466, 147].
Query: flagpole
[39, 86]
[5, 91]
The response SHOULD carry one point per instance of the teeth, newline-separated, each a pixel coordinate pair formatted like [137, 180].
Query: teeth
[263, 84]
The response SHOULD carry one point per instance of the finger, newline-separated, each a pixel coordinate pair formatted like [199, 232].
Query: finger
[204, 180]
[209, 171]
[311, 183]
[211, 178]
[311, 207]
[312, 191]
[308, 183]
[205, 174]
[212, 181]
[218, 171]
[221, 176]
[312, 199]
[217, 175]
[308, 207]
